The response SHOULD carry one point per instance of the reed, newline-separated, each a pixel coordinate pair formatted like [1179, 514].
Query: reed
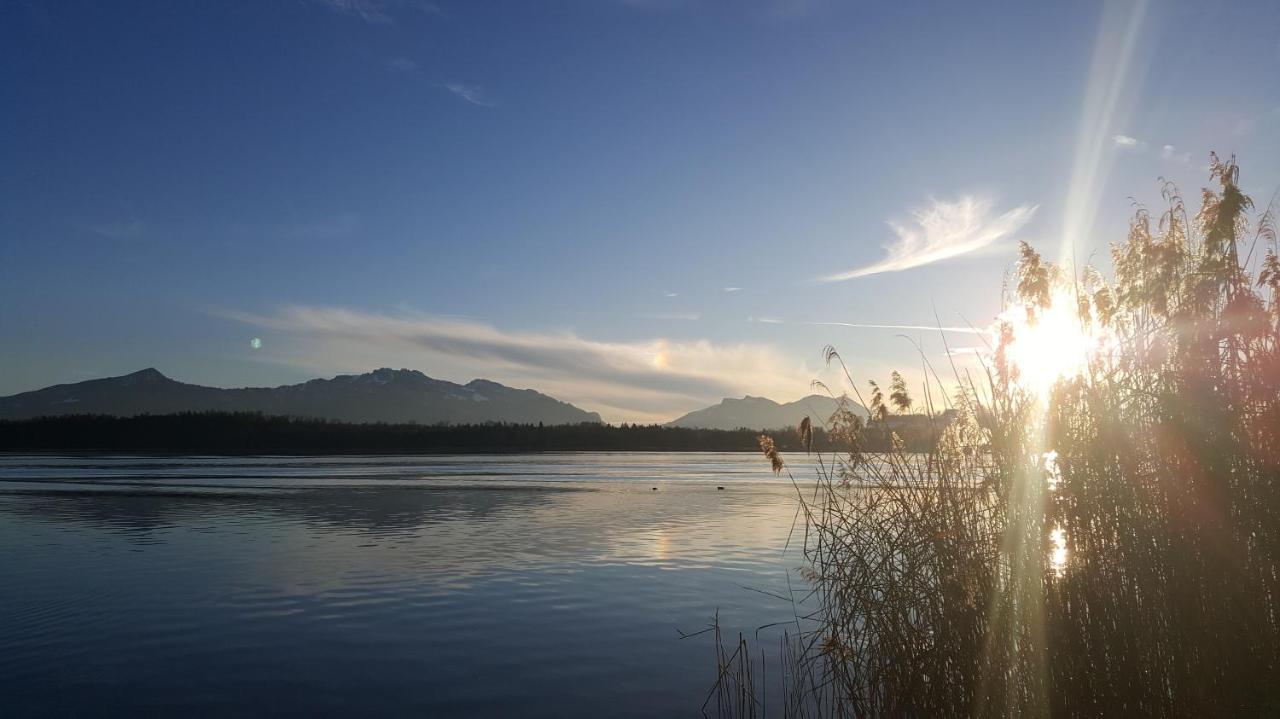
[1099, 539]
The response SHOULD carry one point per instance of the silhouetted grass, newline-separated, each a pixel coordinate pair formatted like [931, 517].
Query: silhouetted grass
[1109, 545]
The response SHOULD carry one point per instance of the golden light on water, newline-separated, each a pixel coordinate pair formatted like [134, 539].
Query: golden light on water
[1057, 537]
[1058, 555]
[1052, 474]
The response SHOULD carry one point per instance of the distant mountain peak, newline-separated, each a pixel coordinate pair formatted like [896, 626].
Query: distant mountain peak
[148, 373]
[762, 413]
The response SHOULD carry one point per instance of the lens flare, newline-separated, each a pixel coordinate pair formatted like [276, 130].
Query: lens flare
[1052, 343]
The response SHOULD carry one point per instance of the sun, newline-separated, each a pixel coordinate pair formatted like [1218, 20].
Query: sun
[1052, 343]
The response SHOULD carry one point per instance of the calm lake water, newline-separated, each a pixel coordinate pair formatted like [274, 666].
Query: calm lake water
[550, 585]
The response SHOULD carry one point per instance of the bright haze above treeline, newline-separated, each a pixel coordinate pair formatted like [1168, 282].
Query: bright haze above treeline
[639, 207]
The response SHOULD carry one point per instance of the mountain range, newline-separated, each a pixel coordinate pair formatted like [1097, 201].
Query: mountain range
[763, 413]
[384, 395]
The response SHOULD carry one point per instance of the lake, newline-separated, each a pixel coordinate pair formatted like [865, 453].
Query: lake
[547, 585]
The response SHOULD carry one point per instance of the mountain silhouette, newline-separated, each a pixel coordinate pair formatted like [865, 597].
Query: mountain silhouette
[384, 395]
[763, 413]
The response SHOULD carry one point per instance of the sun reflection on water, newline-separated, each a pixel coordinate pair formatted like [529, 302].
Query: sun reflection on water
[1058, 556]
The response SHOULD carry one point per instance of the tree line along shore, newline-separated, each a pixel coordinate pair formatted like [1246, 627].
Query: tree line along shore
[254, 433]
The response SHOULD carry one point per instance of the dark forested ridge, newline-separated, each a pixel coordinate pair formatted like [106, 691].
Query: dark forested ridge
[253, 433]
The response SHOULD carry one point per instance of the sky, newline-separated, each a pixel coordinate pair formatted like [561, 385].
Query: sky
[636, 206]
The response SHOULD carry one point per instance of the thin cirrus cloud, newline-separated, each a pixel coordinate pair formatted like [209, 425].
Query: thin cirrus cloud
[473, 94]
[647, 380]
[670, 316]
[116, 230]
[1128, 141]
[869, 326]
[381, 12]
[330, 227]
[335, 226]
[1169, 152]
[927, 328]
[941, 231]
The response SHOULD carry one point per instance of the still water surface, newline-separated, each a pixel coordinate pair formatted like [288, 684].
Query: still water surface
[550, 585]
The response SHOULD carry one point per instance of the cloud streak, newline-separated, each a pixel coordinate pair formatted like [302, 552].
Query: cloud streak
[1169, 152]
[941, 231]
[647, 380]
[672, 316]
[380, 12]
[929, 328]
[116, 230]
[862, 325]
[473, 94]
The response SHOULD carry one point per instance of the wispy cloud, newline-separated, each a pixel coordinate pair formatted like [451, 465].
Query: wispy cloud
[654, 4]
[757, 9]
[869, 326]
[473, 94]
[730, 289]
[670, 294]
[381, 12]
[941, 231]
[671, 316]
[1128, 141]
[1169, 152]
[654, 379]
[928, 328]
[115, 230]
[321, 228]
[791, 9]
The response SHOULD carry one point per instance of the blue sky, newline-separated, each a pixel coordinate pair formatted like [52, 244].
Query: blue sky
[639, 207]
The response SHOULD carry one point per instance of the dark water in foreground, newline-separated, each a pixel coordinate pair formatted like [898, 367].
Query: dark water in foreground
[533, 585]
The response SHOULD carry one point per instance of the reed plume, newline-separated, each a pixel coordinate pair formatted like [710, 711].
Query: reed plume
[1106, 544]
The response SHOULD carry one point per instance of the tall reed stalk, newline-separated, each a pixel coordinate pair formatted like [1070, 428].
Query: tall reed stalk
[1108, 544]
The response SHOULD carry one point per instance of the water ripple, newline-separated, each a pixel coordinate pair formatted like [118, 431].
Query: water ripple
[542, 585]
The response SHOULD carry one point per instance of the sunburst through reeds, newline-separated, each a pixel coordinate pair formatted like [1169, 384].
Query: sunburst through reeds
[1097, 527]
